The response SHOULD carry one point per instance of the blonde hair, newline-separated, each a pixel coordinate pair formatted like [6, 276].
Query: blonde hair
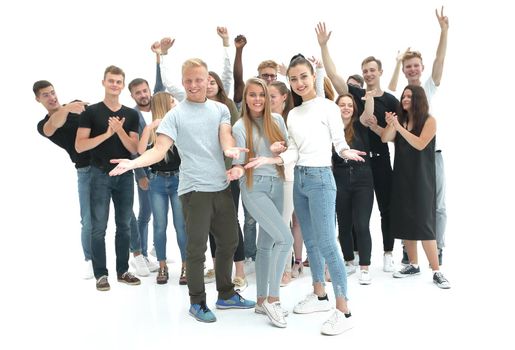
[160, 104]
[270, 130]
[193, 63]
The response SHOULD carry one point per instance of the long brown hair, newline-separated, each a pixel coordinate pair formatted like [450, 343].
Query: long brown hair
[349, 129]
[270, 130]
[160, 104]
[419, 109]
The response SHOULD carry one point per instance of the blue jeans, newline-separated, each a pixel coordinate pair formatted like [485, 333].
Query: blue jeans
[83, 185]
[314, 199]
[249, 235]
[139, 227]
[163, 189]
[121, 190]
[264, 202]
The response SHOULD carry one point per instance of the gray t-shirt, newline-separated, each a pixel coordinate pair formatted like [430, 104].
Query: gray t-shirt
[261, 144]
[194, 127]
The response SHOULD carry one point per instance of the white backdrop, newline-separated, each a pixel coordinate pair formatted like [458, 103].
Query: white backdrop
[71, 43]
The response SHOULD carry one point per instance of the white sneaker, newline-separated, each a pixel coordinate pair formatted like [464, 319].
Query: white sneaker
[356, 259]
[153, 252]
[388, 264]
[275, 313]
[139, 263]
[337, 323]
[152, 265]
[260, 310]
[209, 277]
[311, 304]
[364, 277]
[87, 272]
[350, 267]
[249, 266]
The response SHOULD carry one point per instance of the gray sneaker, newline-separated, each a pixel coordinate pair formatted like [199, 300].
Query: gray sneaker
[407, 271]
[440, 280]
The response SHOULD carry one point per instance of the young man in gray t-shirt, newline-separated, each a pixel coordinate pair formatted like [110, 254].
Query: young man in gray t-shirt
[201, 130]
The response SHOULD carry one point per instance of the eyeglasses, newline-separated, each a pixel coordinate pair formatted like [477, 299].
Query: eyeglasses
[268, 76]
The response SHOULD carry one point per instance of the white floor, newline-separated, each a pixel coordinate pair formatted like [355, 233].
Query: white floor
[47, 305]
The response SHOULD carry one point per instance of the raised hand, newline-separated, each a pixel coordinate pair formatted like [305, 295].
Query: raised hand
[156, 47]
[166, 44]
[442, 20]
[316, 62]
[240, 41]
[322, 35]
[224, 34]
[282, 69]
[234, 152]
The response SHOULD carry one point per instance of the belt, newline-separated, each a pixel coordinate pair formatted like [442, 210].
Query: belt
[165, 173]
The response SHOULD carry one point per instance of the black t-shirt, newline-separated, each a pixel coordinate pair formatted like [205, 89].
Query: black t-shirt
[174, 161]
[382, 104]
[96, 118]
[359, 141]
[64, 137]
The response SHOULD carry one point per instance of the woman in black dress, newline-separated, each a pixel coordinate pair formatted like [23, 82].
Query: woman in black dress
[413, 205]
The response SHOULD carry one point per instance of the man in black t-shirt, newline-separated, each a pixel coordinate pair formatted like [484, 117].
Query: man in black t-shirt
[110, 130]
[60, 126]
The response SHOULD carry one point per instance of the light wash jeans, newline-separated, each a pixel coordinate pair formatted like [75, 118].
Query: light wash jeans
[83, 185]
[264, 201]
[441, 212]
[314, 199]
[163, 190]
[121, 190]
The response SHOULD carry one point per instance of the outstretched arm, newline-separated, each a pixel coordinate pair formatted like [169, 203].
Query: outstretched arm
[151, 156]
[227, 75]
[340, 85]
[442, 47]
[239, 42]
[156, 48]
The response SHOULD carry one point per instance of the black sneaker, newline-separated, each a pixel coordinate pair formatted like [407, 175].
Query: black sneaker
[440, 280]
[408, 270]
[103, 284]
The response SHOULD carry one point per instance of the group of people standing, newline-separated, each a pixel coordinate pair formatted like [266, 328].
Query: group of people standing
[197, 153]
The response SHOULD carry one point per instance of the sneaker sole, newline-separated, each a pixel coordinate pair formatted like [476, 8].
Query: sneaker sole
[202, 320]
[302, 312]
[406, 275]
[130, 283]
[365, 283]
[336, 333]
[259, 312]
[226, 307]
[442, 287]
[274, 321]
[103, 289]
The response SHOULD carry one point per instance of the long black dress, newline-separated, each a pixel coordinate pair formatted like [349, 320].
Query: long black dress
[413, 205]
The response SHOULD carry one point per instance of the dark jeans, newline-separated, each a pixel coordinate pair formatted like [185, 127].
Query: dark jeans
[206, 212]
[121, 190]
[354, 202]
[382, 173]
[239, 254]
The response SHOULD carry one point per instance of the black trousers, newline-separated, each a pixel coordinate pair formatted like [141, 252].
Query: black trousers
[354, 202]
[382, 173]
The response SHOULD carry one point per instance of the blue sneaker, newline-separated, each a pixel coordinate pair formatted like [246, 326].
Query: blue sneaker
[202, 313]
[235, 302]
